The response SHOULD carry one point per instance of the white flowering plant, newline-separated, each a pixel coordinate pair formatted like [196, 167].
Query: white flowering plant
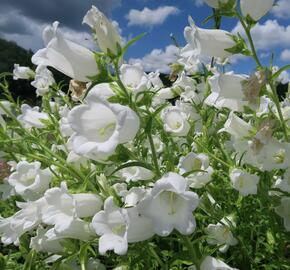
[115, 170]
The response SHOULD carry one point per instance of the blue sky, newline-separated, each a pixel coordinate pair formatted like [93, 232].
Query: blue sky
[158, 36]
[23, 22]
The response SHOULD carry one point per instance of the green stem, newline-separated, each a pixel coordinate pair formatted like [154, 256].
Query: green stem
[190, 248]
[250, 39]
[155, 255]
[212, 155]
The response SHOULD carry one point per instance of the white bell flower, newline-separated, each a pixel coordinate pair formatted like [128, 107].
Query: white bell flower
[43, 80]
[100, 126]
[76, 229]
[41, 243]
[283, 183]
[20, 72]
[227, 92]
[65, 56]
[134, 77]
[105, 33]
[104, 90]
[134, 196]
[256, 9]
[210, 263]
[31, 117]
[29, 180]
[236, 127]
[220, 234]
[64, 208]
[274, 155]
[215, 3]
[175, 121]
[118, 227]
[154, 81]
[208, 42]
[164, 94]
[170, 205]
[26, 219]
[198, 164]
[189, 58]
[244, 182]
[135, 174]
[283, 210]
[64, 126]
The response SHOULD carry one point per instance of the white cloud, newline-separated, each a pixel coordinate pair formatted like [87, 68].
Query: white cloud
[282, 10]
[31, 38]
[158, 59]
[150, 17]
[268, 35]
[285, 55]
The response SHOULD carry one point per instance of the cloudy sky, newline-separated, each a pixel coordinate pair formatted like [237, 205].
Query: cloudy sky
[24, 20]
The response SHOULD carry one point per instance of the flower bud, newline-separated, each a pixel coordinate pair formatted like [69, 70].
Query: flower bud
[105, 32]
[256, 9]
[20, 72]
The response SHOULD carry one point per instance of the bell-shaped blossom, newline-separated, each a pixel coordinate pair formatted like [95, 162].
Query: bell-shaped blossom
[189, 59]
[208, 42]
[20, 72]
[175, 121]
[283, 183]
[154, 81]
[43, 80]
[134, 77]
[76, 229]
[65, 56]
[118, 227]
[227, 92]
[65, 208]
[215, 3]
[26, 219]
[283, 211]
[29, 180]
[220, 234]
[135, 174]
[274, 155]
[164, 94]
[236, 127]
[104, 90]
[134, 196]
[210, 263]
[198, 167]
[41, 243]
[31, 117]
[105, 33]
[170, 205]
[244, 182]
[256, 9]
[64, 125]
[100, 126]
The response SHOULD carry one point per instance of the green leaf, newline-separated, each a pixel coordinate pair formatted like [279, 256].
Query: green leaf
[278, 73]
[131, 42]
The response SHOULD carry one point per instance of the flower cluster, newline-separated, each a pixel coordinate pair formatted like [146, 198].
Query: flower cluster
[191, 175]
